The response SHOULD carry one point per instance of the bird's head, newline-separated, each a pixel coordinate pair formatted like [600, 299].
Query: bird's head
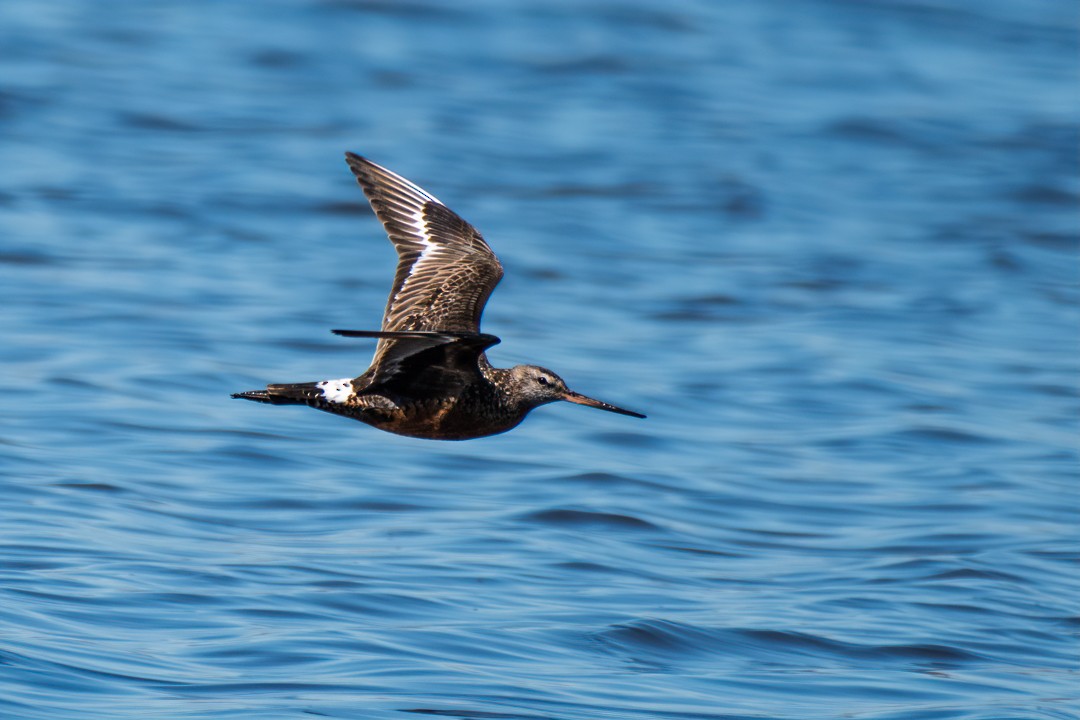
[539, 386]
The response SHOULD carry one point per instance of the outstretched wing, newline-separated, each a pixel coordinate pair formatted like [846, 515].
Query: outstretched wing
[445, 271]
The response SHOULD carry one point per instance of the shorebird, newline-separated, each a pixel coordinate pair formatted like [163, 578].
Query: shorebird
[430, 377]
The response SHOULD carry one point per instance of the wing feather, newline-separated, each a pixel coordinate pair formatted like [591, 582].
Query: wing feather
[445, 272]
[424, 363]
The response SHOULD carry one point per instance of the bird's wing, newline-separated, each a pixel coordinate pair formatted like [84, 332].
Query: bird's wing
[424, 363]
[445, 271]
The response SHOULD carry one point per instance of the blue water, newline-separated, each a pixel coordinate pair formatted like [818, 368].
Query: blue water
[830, 247]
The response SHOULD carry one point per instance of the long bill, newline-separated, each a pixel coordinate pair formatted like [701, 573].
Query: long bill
[579, 399]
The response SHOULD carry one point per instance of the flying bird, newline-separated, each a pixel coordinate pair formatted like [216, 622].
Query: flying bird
[430, 377]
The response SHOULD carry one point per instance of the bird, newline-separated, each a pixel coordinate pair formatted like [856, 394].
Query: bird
[430, 377]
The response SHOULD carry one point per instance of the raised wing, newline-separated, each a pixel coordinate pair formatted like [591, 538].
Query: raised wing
[445, 271]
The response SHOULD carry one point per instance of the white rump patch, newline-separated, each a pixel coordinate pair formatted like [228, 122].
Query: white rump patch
[336, 391]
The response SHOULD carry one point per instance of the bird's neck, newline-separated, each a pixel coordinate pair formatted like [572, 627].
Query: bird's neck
[501, 379]
[504, 388]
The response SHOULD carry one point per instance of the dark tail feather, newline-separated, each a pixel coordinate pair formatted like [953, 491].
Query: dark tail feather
[256, 395]
[283, 394]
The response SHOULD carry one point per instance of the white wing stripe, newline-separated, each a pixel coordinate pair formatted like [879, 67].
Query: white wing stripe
[424, 235]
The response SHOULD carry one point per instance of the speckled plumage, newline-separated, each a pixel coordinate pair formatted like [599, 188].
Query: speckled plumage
[430, 377]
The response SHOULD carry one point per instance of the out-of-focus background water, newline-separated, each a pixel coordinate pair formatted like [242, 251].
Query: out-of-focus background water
[830, 247]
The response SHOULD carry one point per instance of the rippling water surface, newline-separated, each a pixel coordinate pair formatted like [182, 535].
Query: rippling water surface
[829, 247]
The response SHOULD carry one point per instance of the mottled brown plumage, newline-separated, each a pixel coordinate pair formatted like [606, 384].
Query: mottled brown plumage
[430, 377]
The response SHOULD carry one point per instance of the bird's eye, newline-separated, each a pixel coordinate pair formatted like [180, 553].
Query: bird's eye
[542, 380]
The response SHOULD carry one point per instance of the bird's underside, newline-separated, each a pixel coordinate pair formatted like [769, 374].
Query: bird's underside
[429, 377]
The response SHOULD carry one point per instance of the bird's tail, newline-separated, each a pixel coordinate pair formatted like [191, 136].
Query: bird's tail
[285, 394]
